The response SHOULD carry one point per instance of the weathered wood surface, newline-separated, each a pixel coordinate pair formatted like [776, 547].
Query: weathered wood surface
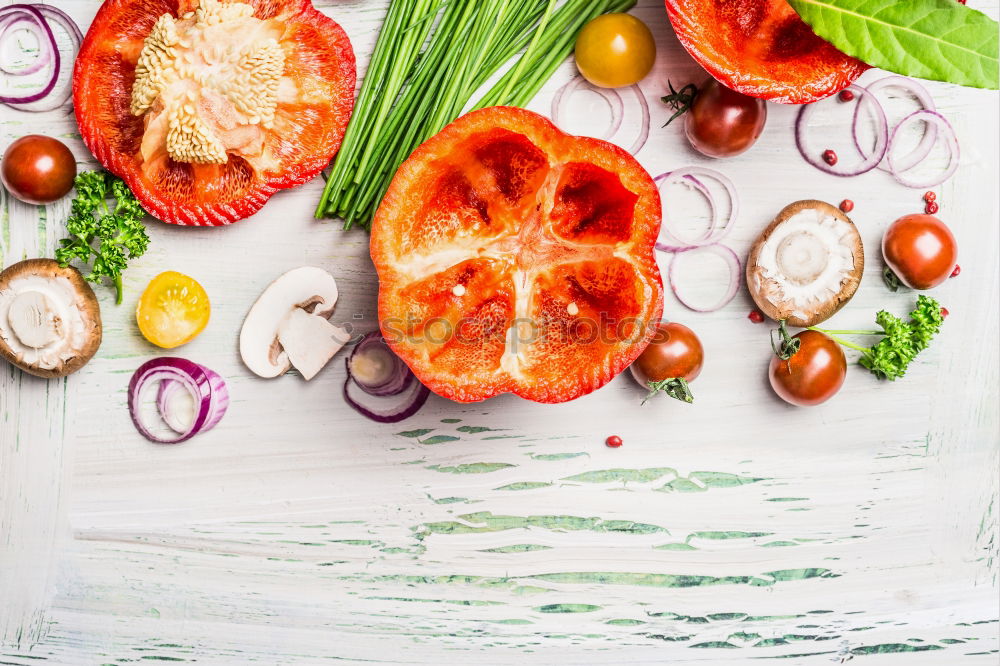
[733, 529]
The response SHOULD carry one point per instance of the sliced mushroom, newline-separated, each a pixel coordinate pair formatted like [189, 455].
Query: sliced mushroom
[288, 326]
[310, 341]
[806, 264]
[50, 321]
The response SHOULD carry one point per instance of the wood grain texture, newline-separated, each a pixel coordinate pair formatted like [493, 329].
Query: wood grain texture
[733, 529]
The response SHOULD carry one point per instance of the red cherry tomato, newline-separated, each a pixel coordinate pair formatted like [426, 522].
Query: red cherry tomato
[723, 122]
[675, 352]
[813, 374]
[38, 169]
[920, 250]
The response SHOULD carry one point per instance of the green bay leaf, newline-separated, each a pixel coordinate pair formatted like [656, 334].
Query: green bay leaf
[941, 40]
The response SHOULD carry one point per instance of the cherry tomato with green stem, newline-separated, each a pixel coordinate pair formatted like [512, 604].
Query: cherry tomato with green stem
[807, 372]
[718, 122]
[673, 358]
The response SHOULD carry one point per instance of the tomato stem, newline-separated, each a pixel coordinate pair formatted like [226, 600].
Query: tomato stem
[680, 100]
[891, 279]
[676, 387]
[788, 346]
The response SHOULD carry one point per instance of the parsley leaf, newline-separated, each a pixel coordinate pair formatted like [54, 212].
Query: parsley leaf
[903, 340]
[112, 238]
[889, 358]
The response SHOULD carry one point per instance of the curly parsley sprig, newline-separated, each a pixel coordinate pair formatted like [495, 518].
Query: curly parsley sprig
[902, 341]
[111, 237]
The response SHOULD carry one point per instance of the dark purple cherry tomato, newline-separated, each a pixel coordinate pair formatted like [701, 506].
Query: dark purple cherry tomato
[675, 352]
[813, 374]
[38, 169]
[723, 122]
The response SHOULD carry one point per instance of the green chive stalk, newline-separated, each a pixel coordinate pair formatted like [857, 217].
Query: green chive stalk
[430, 58]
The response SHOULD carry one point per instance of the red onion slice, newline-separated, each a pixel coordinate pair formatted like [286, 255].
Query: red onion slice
[922, 95]
[715, 232]
[671, 242]
[609, 95]
[376, 369]
[48, 52]
[166, 404]
[614, 100]
[644, 127]
[206, 388]
[869, 162]
[64, 20]
[168, 412]
[386, 409]
[935, 118]
[379, 386]
[732, 261]
[11, 24]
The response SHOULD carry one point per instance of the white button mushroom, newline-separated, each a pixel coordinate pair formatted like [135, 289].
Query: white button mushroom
[806, 264]
[50, 321]
[288, 326]
[310, 341]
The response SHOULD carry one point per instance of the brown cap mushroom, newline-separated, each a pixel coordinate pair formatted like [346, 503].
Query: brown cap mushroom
[806, 264]
[50, 321]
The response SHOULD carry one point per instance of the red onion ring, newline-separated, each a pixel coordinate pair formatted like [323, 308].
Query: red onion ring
[714, 233]
[36, 15]
[205, 386]
[168, 387]
[698, 186]
[869, 162]
[922, 95]
[64, 20]
[930, 117]
[609, 95]
[386, 409]
[397, 376]
[12, 21]
[397, 395]
[614, 100]
[735, 269]
[644, 127]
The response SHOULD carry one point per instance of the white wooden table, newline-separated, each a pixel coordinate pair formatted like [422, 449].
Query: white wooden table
[733, 529]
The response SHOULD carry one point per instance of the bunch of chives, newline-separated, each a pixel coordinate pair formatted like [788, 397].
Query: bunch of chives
[430, 58]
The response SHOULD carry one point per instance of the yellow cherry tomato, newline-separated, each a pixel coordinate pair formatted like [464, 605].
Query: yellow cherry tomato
[173, 310]
[615, 50]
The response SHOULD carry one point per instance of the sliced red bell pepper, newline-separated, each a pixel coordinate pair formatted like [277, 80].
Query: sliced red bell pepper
[762, 48]
[515, 258]
[207, 108]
